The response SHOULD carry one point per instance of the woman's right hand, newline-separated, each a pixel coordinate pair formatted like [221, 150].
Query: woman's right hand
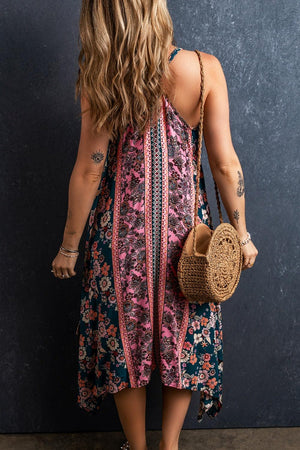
[249, 255]
[63, 266]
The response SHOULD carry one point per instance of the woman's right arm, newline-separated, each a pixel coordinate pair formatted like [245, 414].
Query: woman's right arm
[223, 160]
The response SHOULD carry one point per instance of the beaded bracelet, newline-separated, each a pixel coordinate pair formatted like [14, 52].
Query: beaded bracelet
[68, 255]
[68, 250]
[246, 240]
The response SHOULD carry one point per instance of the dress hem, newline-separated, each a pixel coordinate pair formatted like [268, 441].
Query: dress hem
[210, 405]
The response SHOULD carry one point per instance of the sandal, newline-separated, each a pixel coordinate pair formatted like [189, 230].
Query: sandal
[125, 446]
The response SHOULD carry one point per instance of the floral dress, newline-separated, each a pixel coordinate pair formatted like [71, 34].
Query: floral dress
[133, 317]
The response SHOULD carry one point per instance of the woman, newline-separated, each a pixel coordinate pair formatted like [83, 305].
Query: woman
[133, 180]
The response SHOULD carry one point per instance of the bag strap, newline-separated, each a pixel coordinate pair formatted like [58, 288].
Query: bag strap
[199, 153]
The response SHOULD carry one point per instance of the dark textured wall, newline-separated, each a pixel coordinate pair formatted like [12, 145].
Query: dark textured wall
[257, 44]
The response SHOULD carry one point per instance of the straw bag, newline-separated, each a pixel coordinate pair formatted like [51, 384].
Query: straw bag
[210, 263]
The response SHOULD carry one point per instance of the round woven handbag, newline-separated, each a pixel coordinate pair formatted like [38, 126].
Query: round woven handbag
[210, 263]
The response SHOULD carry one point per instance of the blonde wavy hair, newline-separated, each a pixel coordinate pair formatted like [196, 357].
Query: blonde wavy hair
[123, 56]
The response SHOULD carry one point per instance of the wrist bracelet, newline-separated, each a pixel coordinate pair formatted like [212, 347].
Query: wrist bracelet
[246, 240]
[68, 255]
[68, 250]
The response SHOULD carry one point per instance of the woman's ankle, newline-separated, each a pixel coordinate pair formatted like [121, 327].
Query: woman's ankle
[136, 447]
[167, 446]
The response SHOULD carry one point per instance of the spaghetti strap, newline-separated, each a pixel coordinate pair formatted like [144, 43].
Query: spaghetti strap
[174, 53]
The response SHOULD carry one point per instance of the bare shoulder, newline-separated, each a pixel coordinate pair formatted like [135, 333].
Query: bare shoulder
[213, 69]
[188, 70]
[185, 91]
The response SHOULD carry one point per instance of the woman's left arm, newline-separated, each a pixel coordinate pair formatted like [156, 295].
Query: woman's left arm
[83, 185]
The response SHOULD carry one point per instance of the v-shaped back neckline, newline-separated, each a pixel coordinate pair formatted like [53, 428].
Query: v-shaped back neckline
[180, 116]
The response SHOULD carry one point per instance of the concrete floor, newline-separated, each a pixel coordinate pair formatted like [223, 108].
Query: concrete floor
[218, 439]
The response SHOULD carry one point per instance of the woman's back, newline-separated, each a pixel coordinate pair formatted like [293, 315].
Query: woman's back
[184, 94]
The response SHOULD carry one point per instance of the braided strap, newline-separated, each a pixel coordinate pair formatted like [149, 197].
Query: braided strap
[202, 87]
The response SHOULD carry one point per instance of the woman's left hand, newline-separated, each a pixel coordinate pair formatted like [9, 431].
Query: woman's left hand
[63, 266]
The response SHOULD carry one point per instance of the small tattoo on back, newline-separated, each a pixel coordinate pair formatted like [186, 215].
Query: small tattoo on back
[241, 187]
[97, 157]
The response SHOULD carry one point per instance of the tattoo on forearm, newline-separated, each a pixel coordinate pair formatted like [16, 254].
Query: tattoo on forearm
[236, 215]
[97, 157]
[241, 187]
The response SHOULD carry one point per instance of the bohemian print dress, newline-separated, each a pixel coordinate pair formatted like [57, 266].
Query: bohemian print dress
[133, 316]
